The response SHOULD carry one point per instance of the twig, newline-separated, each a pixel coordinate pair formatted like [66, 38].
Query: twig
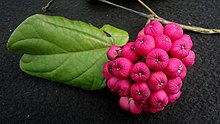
[125, 8]
[148, 8]
[148, 21]
[154, 16]
[45, 8]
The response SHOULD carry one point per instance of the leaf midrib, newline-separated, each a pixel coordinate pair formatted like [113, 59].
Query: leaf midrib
[66, 52]
[58, 65]
[72, 29]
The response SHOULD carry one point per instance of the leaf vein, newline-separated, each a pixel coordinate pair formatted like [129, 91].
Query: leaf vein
[86, 69]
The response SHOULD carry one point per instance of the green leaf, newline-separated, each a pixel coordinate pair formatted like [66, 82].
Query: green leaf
[70, 52]
[117, 35]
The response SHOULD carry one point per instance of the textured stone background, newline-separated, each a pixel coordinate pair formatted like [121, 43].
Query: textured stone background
[26, 99]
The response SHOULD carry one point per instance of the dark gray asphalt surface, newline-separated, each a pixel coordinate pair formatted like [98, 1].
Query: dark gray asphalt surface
[26, 99]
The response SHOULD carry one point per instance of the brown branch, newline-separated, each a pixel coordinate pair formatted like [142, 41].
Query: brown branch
[47, 6]
[154, 16]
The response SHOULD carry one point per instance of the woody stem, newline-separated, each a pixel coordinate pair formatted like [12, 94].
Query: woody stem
[154, 16]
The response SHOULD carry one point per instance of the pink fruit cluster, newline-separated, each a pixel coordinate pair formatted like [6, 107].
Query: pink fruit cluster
[148, 73]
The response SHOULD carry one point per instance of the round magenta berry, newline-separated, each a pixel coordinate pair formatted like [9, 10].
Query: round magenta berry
[122, 67]
[143, 45]
[154, 110]
[158, 99]
[173, 85]
[112, 84]
[124, 102]
[190, 59]
[141, 33]
[173, 30]
[180, 48]
[183, 73]
[157, 59]
[163, 42]
[140, 72]
[140, 91]
[157, 81]
[174, 68]
[154, 28]
[128, 51]
[128, 103]
[107, 70]
[142, 104]
[174, 97]
[113, 52]
[134, 108]
[124, 87]
[188, 40]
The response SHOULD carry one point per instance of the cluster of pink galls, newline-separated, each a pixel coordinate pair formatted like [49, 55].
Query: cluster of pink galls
[148, 73]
